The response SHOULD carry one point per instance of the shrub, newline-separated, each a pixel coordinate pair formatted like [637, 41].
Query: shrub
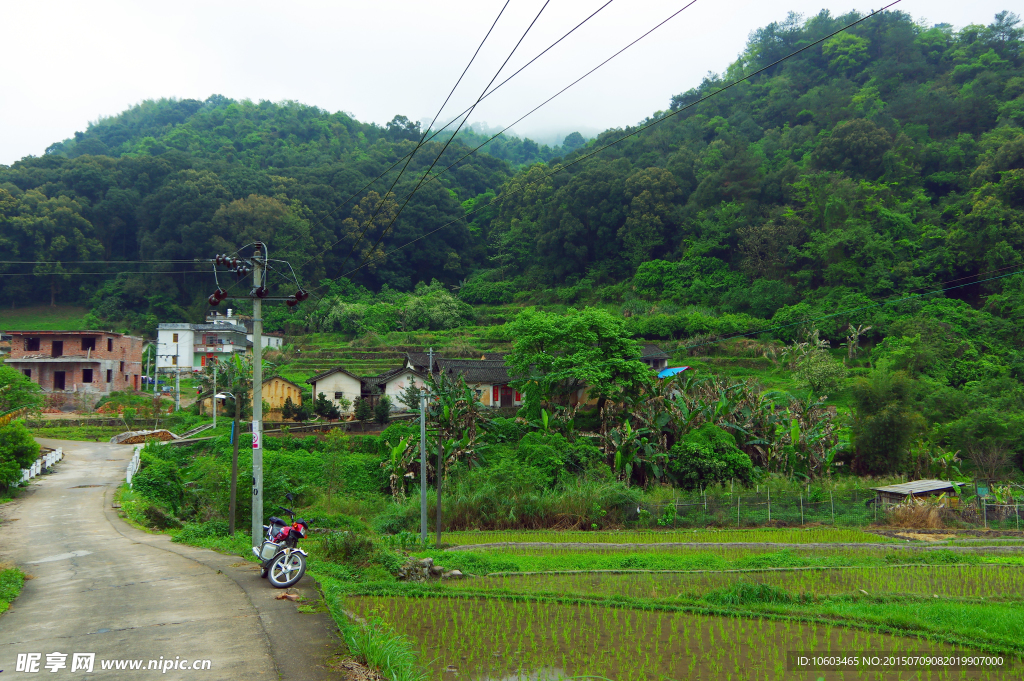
[192, 532]
[708, 456]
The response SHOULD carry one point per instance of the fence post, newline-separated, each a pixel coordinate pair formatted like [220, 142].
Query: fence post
[1016, 512]
[769, 490]
[833, 502]
[984, 511]
[801, 496]
[737, 511]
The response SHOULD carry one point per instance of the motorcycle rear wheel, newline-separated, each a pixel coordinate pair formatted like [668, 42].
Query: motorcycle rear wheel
[286, 569]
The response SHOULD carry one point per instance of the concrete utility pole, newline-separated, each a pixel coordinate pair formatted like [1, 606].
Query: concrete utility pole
[260, 292]
[423, 467]
[257, 398]
[213, 399]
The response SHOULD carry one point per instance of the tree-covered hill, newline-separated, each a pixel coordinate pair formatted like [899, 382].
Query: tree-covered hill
[888, 158]
[183, 179]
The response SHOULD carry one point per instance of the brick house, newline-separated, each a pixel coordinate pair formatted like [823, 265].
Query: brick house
[78, 361]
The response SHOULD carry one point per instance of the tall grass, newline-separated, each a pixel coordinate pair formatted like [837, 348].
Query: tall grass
[374, 642]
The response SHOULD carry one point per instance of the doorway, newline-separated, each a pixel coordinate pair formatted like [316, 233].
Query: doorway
[58, 380]
[57, 349]
[506, 396]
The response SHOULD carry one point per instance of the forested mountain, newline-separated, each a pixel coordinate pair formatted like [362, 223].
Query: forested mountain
[183, 179]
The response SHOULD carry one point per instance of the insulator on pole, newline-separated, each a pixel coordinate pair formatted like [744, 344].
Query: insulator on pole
[213, 300]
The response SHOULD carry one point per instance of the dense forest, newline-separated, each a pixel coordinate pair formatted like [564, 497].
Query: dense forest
[869, 190]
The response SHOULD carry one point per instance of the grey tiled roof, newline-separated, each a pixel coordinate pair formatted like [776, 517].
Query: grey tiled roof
[653, 352]
[476, 370]
[327, 373]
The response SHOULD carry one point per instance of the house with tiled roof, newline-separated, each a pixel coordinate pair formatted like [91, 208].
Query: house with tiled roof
[337, 385]
[489, 377]
[392, 383]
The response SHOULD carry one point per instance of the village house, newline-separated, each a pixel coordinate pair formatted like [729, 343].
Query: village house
[276, 391]
[78, 361]
[188, 347]
[393, 384]
[337, 384]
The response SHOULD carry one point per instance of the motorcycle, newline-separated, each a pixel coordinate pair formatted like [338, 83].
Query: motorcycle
[282, 561]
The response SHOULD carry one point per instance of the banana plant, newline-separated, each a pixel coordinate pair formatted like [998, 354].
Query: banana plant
[397, 464]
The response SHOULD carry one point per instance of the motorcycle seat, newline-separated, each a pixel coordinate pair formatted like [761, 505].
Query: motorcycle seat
[274, 520]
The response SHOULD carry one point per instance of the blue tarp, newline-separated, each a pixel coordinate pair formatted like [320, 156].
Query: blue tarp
[671, 371]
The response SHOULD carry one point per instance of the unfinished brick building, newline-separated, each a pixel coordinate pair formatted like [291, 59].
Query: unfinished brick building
[78, 361]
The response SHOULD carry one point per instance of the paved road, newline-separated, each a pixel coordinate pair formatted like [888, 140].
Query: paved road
[100, 586]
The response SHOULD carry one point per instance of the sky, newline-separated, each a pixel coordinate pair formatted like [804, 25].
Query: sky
[72, 62]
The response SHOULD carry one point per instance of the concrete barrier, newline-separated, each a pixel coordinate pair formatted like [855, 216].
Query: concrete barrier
[134, 465]
[41, 464]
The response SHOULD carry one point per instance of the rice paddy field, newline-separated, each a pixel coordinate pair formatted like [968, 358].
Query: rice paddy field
[716, 604]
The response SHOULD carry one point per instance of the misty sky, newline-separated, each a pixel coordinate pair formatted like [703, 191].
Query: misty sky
[69, 63]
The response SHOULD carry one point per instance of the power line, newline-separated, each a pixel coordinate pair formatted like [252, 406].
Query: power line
[75, 274]
[438, 132]
[667, 116]
[446, 144]
[409, 157]
[90, 262]
[549, 99]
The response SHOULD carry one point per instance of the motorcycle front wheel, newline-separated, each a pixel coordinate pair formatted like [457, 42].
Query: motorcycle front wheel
[287, 569]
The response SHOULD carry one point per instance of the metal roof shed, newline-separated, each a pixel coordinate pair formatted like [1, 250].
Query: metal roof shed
[895, 494]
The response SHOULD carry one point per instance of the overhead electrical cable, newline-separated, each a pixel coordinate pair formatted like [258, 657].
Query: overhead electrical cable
[626, 136]
[409, 157]
[548, 100]
[446, 144]
[438, 132]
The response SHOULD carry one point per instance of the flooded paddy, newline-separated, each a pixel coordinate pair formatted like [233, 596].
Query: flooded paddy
[493, 639]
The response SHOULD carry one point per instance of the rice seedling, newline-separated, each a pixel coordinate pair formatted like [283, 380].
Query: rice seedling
[492, 639]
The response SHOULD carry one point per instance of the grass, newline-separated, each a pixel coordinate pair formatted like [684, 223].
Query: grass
[43, 318]
[81, 433]
[11, 581]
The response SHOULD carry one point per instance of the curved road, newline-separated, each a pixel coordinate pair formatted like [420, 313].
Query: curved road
[101, 586]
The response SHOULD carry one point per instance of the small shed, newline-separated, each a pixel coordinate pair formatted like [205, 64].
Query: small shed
[896, 494]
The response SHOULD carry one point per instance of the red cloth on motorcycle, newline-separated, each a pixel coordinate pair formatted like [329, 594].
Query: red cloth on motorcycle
[282, 535]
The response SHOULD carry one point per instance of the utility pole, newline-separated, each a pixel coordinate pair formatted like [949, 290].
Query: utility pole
[213, 398]
[423, 467]
[257, 396]
[258, 265]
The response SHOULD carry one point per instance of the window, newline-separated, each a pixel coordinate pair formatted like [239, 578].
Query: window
[339, 396]
[57, 349]
[88, 344]
[27, 372]
[110, 375]
[120, 369]
[174, 338]
[174, 362]
[31, 344]
[110, 345]
[86, 375]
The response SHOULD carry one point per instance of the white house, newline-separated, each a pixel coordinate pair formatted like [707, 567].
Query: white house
[182, 346]
[393, 384]
[337, 384]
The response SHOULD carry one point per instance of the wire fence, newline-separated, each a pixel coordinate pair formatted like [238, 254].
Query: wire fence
[747, 510]
[1001, 516]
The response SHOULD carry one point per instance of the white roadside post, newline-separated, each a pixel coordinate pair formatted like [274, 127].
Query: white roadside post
[257, 398]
